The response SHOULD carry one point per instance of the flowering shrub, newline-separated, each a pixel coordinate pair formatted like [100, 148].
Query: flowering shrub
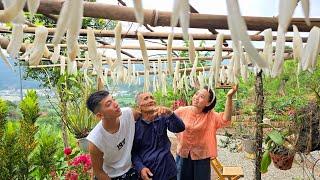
[78, 167]
[178, 103]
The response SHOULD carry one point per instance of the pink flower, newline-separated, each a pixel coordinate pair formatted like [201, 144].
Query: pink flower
[53, 173]
[83, 159]
[67, 151]
[71, 175]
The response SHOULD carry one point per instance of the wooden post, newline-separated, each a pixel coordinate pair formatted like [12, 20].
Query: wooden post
[259, 118]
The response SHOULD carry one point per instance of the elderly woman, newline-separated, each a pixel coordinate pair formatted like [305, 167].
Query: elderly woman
[198, 143]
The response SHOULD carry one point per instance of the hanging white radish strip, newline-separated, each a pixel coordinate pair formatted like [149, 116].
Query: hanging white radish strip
[236, 59]
[193, 72]
[33, 6]
[181, 11]
[230, 73]
[100, 83]
[74, 25]
[143, 51]
[19, 19]
[13, 11]
[297, 46]
[138, 11]
[267, 50]
[192, 50]
[74, 52]
[164, 84]
[117, 35]
[306, 10]
[243, 65]
[56, 54]
[5, 60]
[217, 56]
[47, 53]
[311, 49]
[16, 40]
[62, 65]
[169, 53]
[160, 72]
[238, 31]
[184, 18]
[130, 74]
[62, 24]
[71, 67]
[286, 9]
[146, 81]
[201, 80]
[92, 47]
[39, 45]
[176, 77]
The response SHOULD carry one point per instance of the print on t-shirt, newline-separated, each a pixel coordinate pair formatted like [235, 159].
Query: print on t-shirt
[121, 144]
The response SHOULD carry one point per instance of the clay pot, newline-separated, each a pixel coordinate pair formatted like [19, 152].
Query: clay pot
[282, 162]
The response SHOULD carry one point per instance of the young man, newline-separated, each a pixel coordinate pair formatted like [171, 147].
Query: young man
[111, 140]
[151, 154]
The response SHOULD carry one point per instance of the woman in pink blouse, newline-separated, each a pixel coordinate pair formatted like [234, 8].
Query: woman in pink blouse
[198, 143]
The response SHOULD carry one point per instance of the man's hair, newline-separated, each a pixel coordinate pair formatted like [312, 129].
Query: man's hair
[93, 102]
[137, 97]
[212, 100]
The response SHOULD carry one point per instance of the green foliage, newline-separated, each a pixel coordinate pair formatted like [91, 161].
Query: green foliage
[29, 107]
[3, 114]
[43, 156]
[18, 141]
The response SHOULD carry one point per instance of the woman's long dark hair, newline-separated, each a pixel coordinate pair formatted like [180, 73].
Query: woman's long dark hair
[212, 99]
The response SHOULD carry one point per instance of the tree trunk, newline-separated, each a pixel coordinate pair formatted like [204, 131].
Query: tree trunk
[259, 118]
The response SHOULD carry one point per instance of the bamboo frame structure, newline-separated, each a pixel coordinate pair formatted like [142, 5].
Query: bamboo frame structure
[162, 18]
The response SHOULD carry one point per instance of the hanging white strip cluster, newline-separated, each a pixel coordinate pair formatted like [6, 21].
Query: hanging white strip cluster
[169, 53]
[217, 57]
[286, 9]
[236, 60]
[117, 34]
[70, 21]
[238, 31]
[267, 50]
[33, 6]
[13, 11]
[311, 50]
[306, 10]
[38, 47]
[193, 74]
[192, 50]
[138, 11]
[181, 11]
[143, 51]
[176, 77]
[16, 41]
[243, 65]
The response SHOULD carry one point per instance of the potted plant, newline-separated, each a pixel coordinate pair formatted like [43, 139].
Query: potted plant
[279, 148]
[79, 120]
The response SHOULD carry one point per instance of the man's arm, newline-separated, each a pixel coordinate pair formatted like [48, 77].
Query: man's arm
[97, 162]
[228, 106]
[136, 114]
[174, 123]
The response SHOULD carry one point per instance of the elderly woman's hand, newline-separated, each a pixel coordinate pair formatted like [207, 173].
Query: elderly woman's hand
[232, 90]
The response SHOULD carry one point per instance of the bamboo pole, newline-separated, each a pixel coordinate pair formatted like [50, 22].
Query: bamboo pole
[151, 35]
[162, 18]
